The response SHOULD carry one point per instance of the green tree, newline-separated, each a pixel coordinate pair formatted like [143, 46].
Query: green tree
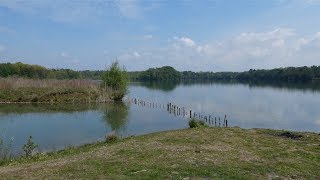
[116, 79]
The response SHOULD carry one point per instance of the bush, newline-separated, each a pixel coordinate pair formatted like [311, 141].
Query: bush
[193, 123]
[111, 138]
[116, 79]
[29, 147]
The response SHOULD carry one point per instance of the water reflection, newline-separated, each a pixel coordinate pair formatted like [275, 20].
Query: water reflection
[168, 86]
[165, 86]
[116, 116]
[6, 109]
[54, 126]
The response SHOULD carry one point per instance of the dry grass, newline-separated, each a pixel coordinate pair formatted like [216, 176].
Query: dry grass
[15, 83]
[200, 153]
[21, 90]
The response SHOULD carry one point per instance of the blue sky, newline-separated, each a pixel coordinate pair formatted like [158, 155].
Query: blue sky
[199, 35]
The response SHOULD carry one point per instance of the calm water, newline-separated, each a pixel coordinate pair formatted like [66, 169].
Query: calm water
[290, 107]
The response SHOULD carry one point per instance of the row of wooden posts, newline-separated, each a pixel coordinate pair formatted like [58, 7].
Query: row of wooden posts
[184, 112]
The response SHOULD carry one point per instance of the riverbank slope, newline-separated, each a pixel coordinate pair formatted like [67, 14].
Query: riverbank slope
[190, 153]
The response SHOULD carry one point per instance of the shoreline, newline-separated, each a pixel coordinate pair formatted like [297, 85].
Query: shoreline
[242, 153]
[97, 102]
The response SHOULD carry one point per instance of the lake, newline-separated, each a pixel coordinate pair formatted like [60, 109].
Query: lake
[277, 106]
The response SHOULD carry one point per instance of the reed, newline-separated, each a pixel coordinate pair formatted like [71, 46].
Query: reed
[21, 90]
[15, 83]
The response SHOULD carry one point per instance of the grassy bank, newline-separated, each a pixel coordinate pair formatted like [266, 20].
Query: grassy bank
[20, 90]
[196, 153]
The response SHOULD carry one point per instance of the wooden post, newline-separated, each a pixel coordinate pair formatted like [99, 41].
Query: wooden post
[219, 122]
[226, 123]
[190, 114]
[215, 121]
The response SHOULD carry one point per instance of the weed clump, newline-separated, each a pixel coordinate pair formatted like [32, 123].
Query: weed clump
[193, 123]
[111, 138]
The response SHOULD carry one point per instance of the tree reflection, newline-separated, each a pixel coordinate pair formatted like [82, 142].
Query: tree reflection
[116, 115]
[161, 85]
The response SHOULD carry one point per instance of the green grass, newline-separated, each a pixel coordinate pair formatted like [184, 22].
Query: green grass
[220, 153]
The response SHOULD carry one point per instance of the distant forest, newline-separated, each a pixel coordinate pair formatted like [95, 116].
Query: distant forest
[288, 74]
[167, 73]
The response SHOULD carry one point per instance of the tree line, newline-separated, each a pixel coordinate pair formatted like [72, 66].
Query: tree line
[39, 72]
[288, 74]
[167, 73]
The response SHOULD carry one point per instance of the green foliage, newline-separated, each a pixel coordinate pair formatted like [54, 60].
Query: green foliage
[288, 74]
[38, 72]
[167, 73]
[29, 147]
[160, 74]
[193, 123]
[116, 79]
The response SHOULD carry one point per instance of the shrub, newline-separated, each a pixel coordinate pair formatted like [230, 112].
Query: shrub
[29, 147]
[111, 138]
[193, 123]
[116, 79]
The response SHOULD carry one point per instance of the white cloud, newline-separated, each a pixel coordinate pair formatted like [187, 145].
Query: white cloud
[279, 33]
[185, 41]
[130, 56]
[278, 43]
[136, 54]
[276, 48]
